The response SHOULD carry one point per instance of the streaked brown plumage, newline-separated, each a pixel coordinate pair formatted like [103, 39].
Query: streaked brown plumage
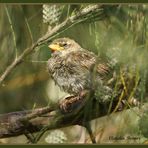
[72, 67]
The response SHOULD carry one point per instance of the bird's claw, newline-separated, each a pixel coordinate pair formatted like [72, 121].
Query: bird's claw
[71, 103]
[65, 105]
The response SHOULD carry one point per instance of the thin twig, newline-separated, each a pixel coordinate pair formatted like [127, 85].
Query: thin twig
[32, 61]
[27, 24]
[69, 22]
[89, 130]
[12, 29]
[16, 62]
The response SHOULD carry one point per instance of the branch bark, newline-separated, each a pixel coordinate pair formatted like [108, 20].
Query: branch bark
[50, 117]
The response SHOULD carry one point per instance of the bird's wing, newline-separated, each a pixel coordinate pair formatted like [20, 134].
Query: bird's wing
[87, 60]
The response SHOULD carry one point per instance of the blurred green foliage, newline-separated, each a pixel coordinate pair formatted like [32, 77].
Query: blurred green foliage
[121, 35]
[143, 122]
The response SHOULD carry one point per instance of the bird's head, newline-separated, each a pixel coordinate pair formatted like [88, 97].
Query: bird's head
[64, 45]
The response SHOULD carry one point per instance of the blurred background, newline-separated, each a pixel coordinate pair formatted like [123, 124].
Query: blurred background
[120, 32]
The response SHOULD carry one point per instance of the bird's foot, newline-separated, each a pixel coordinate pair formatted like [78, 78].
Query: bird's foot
[71, 103]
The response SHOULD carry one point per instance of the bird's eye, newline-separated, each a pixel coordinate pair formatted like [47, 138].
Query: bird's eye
[64, 44]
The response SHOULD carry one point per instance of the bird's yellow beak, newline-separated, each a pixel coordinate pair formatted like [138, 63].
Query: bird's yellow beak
[55, 47]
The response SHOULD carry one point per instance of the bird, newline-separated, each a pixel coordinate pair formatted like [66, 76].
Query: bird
[73, 68]
[77, 70]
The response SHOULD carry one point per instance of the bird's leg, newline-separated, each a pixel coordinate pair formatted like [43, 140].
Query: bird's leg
[73, 102]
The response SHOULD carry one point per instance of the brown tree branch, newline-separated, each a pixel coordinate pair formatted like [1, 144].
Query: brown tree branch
[70, 21]
[16, 123]
[47, 118]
